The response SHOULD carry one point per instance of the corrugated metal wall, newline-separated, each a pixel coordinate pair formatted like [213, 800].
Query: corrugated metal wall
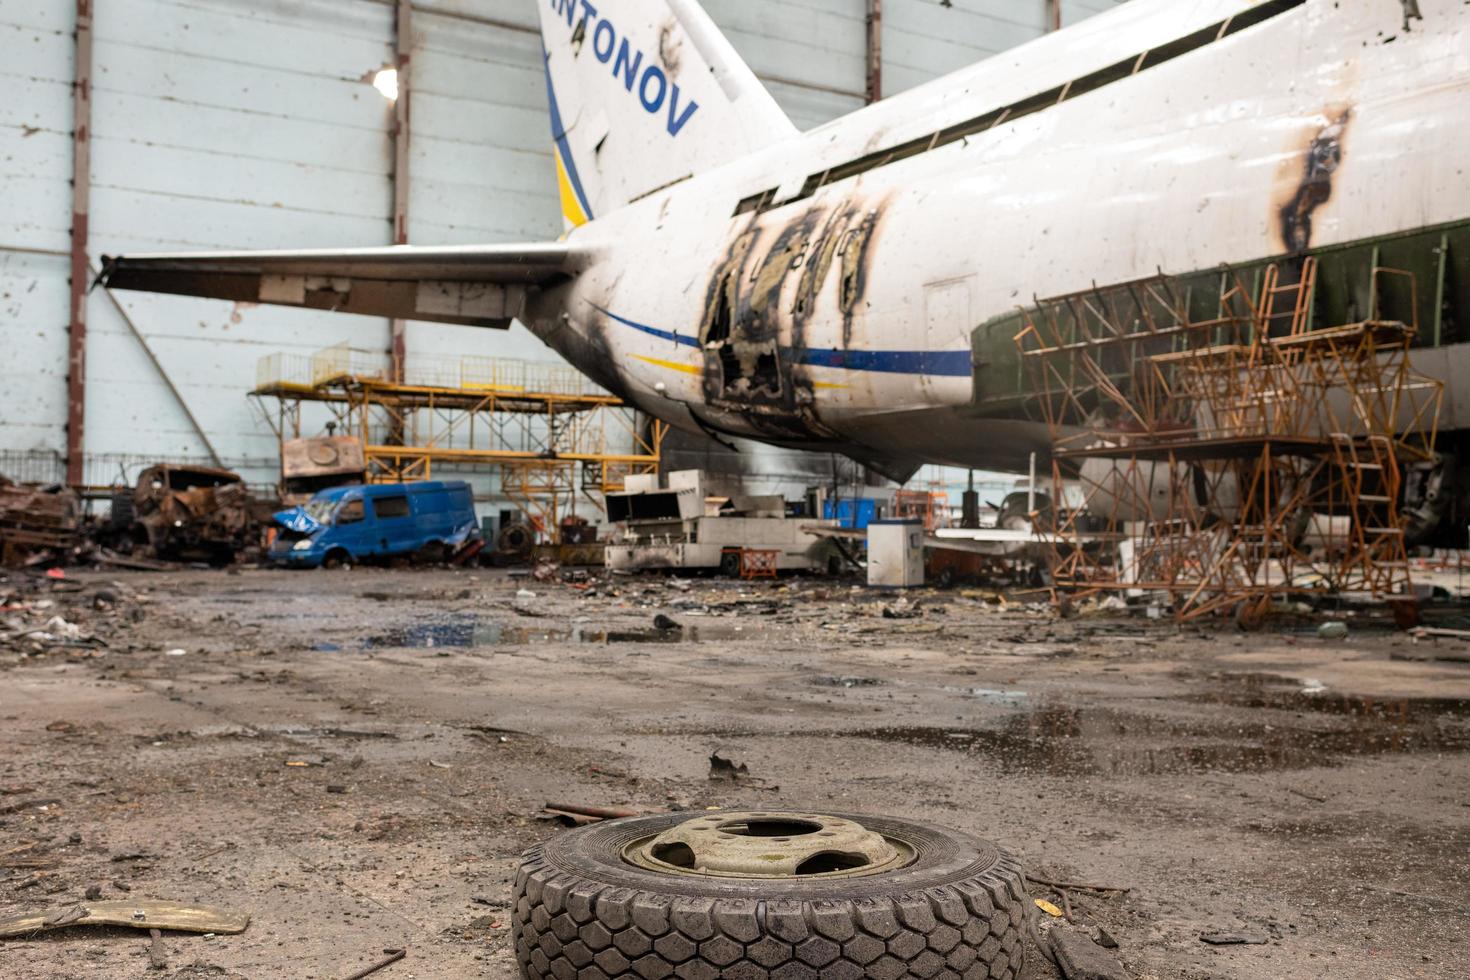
[249, 124]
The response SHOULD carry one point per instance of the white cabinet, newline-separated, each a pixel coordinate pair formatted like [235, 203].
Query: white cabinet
[896, 554]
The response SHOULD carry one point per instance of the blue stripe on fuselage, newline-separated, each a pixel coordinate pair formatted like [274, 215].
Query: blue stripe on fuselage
[559, 134]
[936, 363]
[651, 331]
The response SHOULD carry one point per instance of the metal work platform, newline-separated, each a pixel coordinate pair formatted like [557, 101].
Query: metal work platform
[1210, 444]
[549, 433]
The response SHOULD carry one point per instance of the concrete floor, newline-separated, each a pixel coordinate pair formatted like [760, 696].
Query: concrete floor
[357, 758]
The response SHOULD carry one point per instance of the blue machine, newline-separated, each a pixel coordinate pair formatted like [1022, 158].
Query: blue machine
[350, 524]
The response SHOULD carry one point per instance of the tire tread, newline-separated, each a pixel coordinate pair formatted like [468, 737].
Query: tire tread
[969, 928]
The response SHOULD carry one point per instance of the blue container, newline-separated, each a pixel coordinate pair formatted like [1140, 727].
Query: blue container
[852, 513]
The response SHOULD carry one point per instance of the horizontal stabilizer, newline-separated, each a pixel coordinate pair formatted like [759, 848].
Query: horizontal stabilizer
[479, 285]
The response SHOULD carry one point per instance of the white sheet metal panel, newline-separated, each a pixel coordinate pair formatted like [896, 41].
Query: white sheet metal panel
[923, 40]
[481, 167]
[810, 53]
[224, 124]
[35, 202]
[1075, 11]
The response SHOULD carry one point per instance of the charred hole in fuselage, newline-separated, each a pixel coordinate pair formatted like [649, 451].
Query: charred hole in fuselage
[750, 370]
[723, 313]
[740, 332]
[729, 364]
[767, 373]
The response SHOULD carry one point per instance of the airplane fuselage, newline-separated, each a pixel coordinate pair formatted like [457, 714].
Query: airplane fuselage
[823, 293]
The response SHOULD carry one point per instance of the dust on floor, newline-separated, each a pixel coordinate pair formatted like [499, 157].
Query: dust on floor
[357, 758]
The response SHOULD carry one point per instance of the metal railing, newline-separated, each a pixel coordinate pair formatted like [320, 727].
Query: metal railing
[470, 373]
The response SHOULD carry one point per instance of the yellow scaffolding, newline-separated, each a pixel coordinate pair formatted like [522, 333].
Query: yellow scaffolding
[547, 431]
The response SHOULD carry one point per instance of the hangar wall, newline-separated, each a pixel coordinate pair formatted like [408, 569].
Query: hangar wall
[241, 124]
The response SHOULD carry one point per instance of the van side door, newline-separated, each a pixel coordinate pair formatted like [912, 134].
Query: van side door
[351, 530]
[396, 529]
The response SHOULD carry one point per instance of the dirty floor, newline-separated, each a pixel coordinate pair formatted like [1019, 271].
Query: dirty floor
[356, 758]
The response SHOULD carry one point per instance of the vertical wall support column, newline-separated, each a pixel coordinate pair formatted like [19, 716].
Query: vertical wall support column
[403, 43]
[1053, 15]
[875, 50]
[81, 187]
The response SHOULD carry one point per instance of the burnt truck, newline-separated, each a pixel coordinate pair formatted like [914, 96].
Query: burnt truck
[185, 513]
[36, 518]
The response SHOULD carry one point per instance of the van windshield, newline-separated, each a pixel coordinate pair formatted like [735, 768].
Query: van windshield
[320, 510]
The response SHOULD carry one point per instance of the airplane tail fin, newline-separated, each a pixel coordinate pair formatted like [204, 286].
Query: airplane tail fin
[644, 93]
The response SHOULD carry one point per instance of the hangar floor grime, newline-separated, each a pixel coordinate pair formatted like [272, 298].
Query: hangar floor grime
[356, 758]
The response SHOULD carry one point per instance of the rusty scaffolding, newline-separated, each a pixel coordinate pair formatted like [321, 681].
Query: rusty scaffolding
[544, 429]
[1232, 457]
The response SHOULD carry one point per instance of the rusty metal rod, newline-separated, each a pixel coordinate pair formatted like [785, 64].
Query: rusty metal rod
[1077, 885]
[601, 812]
[403, 58]
[81, 187]
[874, 46]
[394, 955]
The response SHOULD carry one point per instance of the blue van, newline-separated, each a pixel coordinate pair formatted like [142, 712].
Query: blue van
[432, 520]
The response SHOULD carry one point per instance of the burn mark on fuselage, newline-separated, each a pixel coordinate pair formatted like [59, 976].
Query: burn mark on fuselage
[857, 258]
[748, 332]
[670, 43]
[761, 300]
[1323, 158]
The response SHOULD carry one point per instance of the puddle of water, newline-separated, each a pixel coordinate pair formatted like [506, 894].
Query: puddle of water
[990, 694]
[1272, 691]
[1062, 741]
[472, 631]
[849, 682]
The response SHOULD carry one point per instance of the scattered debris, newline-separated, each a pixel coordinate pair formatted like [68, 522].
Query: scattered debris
[37, 804]
[106, 556]
[1237, 938]
[1077, 886]
[723, 765]
[902, 609]
[137, 915]
[1333, 630]
[666, 624]
[848, 682]
[1434, 652]
[1080, 958]
[185, 512]
[580, 814]
[393, 956]
[156, 959]
[37, 523]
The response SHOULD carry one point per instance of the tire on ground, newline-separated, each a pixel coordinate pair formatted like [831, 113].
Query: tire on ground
[583, 913]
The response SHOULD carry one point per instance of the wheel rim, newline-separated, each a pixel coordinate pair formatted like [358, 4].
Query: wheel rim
[763, 844]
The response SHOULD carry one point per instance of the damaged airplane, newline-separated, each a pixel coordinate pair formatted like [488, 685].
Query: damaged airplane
[853, 289]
